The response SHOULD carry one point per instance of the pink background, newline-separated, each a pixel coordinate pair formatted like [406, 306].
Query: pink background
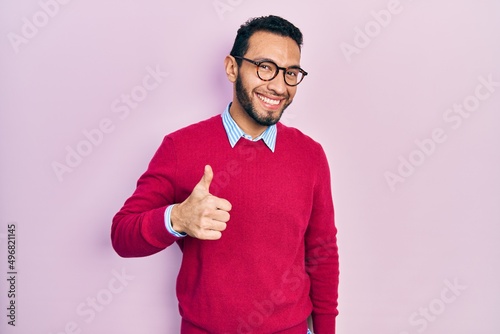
[374, 109]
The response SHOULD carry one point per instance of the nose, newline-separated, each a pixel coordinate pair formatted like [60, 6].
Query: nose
[278, 84]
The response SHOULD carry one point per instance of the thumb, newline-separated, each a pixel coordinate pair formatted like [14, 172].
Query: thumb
[207, 178]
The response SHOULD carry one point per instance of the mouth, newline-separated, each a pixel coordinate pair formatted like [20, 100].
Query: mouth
[270, 103]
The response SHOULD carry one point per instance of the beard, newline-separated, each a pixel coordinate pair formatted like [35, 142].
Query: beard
[243, 96]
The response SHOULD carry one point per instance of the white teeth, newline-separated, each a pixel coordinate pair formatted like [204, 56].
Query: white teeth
[268, 100]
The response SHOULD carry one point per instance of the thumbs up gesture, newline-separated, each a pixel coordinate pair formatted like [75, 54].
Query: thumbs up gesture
[201, 215]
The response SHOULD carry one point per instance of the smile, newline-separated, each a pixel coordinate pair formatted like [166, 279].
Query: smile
[268, 100]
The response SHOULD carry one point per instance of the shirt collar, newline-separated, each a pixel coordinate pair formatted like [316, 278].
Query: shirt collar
[234, 132]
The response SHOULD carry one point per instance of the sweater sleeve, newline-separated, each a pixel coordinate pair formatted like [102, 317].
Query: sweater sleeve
[322, 263]
[138, 229]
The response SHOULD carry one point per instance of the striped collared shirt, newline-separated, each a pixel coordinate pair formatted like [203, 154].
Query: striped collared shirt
[234, 132]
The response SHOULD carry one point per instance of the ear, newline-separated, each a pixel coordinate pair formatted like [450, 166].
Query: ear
[231, 68]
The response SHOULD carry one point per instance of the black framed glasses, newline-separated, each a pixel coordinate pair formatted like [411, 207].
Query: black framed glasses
[267, 70]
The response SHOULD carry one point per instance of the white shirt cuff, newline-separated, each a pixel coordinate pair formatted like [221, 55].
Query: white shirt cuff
[168, 223]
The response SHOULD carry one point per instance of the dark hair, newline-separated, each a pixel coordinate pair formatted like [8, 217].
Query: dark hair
[271, 23]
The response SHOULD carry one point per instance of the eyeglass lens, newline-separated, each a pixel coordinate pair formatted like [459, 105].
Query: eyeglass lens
[268, 71]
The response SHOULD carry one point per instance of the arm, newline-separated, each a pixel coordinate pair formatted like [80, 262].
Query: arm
[139, 229]
[142, 226]
[322, 262]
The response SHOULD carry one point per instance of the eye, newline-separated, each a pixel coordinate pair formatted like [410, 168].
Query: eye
[266, 67]
[292, 72]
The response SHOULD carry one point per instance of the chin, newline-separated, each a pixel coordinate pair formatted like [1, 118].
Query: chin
[267, 120]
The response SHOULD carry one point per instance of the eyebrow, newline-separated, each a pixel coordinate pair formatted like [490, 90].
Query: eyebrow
[274, 61]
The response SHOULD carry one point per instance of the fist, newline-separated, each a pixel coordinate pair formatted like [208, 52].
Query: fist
[202, 215]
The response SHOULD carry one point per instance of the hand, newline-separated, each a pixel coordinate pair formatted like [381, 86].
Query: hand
[202, 215]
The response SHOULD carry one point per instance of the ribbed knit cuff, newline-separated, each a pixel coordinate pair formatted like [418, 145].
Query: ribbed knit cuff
[324, 324]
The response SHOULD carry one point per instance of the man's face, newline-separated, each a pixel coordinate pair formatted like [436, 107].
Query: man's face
[265, 101]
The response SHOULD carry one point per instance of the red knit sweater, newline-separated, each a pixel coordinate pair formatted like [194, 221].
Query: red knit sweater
[276, 262]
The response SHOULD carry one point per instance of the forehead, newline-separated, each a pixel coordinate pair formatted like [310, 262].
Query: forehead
[266, 45]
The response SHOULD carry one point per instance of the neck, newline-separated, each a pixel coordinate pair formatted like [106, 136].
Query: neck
[244, 121]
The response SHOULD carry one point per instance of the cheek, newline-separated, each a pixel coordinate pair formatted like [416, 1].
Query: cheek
[250, 78]
[291, 93]
[251, 85]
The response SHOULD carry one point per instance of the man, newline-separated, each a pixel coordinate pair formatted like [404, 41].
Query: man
[247, 200]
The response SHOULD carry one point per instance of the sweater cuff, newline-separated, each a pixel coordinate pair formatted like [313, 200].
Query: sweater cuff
[168, 223]
[324, 323]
